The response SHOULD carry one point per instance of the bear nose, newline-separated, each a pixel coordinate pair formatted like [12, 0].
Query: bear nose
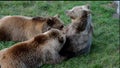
[66, 11]
[61, 39]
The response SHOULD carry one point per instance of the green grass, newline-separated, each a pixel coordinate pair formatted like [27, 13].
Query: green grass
[105, 46]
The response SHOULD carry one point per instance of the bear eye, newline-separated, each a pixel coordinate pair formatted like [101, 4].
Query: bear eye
[48, 28]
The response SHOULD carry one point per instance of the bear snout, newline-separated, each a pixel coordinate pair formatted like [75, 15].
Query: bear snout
[61, 40]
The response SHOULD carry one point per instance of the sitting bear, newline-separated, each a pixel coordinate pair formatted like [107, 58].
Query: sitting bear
[41, 49]
[21, 28]
[78, 33]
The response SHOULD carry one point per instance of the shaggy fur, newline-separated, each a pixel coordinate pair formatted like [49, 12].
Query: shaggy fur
[42, 49]
[78, 33]
[21, 28]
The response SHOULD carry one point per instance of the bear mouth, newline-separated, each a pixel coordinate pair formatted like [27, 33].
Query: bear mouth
[72, 17]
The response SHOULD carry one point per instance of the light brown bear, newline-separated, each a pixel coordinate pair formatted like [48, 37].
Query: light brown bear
[78, 33]
[21, 28]
[42, 49]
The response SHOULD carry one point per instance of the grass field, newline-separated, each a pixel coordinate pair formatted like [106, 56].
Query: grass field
[105, 46]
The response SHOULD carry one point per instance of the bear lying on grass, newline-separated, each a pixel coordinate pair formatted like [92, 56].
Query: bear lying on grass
[78, 33]
[42, 49]
[21, 28]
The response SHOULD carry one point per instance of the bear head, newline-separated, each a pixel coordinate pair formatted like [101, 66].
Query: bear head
[78, 12]
[50, 22]
[53, 34]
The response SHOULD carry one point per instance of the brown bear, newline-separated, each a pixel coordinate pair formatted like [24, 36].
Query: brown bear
[78, 33]
[21, 28]
[41, 49]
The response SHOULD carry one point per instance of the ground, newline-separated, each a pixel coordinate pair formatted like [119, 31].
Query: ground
[105, 45]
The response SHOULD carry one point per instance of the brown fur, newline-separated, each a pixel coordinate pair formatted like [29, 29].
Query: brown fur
[78, 33]
[20, 28]
[42, 49]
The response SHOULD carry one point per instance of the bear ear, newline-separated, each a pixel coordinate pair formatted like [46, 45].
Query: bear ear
[40, 38]
[50, 21]
[87, 6]
[87, 12]
[54, 33]
[39, 19]
[57, 16]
